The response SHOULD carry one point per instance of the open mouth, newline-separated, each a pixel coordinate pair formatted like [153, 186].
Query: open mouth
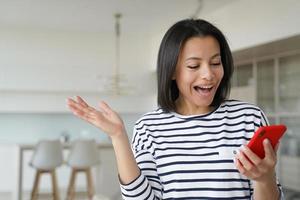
[203, 89]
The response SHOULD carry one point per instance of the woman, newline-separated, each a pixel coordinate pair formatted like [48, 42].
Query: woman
[183, 150]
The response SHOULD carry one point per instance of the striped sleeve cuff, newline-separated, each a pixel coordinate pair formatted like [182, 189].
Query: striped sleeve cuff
[137, 189]
[281, 195]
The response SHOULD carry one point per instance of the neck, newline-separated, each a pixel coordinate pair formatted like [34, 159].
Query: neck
[184, 108]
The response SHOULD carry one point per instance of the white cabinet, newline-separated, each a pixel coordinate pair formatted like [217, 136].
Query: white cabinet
[266, 86]
[273, 84]
[289, 84]
[245, 93]
[290, 172]
[243, 87]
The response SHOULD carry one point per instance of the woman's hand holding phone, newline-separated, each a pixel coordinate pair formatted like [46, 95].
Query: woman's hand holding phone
[258, 159]
[254, 167]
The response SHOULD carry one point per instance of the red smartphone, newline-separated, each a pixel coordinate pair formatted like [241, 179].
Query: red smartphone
[273, 133]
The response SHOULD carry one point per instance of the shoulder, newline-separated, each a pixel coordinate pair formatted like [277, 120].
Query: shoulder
[242, 108]
[142, 129]
[155, 115]
[238, 105]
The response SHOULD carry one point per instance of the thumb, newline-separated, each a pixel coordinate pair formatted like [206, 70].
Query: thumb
[277, 147]
[268, 148]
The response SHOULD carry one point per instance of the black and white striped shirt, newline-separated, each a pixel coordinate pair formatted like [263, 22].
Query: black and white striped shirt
[191, 157]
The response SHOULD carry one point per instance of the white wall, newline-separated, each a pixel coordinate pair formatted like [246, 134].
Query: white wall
[8, 172]
[59, 60]
[40, 65]
[52, 60]
[250, 23]
[43, 67]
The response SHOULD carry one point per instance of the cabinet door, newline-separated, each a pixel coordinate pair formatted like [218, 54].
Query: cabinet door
[272, 120]
[291, 140]
[290, 154]
[243, 76]
[265, 85]
[290, 173]
[289, 84]
[243, 87]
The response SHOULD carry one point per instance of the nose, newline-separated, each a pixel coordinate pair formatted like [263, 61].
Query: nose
[206, 72]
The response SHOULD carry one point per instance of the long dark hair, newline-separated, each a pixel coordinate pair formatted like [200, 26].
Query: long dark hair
[169, 50]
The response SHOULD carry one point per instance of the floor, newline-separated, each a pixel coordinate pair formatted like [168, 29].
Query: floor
[79, 196]
[289, 195]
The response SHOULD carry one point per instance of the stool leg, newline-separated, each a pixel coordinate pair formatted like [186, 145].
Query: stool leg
[55, 190]
[34, 193]
[90, 187]
[71, 192]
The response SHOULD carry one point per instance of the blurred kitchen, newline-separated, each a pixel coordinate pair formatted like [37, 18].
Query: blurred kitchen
[106, 50]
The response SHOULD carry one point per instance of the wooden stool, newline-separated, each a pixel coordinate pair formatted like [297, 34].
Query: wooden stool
[55, 191]
[82, 157]
[45, 159]
[71, 187]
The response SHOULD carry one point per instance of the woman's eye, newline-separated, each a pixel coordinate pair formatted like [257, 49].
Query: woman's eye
[216, 64]
[193, 66]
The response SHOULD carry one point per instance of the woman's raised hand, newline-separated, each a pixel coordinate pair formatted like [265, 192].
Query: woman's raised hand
[105, 118]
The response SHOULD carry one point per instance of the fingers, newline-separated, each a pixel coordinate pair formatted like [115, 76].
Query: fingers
[105, 107]
[251, 155]
[245, 166]
[88, 115]
[269, 151]
[245, 162]
[80, 109]
[81, 101]
[250, 165]
[239, 166]
[276, 147]
[270, 155]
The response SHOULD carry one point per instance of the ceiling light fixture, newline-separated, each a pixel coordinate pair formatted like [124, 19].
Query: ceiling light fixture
[116, 84]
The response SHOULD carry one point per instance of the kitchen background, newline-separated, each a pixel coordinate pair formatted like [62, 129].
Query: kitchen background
[51, 50]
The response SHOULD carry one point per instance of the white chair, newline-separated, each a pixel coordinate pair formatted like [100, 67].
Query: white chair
[83, 155]
[48, 155]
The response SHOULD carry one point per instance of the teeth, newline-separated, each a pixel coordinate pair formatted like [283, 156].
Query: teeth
[205, 87]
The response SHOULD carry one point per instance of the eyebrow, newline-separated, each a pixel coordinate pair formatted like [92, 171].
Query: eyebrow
[197, 58]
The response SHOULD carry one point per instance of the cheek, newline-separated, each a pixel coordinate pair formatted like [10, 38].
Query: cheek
[220, 73]
[183, 82]
[183, 78]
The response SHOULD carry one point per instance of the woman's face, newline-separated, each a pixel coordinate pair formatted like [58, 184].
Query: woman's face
[198, 74]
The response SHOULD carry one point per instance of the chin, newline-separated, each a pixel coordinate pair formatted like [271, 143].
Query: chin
[204, 104]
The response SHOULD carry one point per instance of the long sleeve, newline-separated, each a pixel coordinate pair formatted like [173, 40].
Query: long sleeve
[147, 186]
